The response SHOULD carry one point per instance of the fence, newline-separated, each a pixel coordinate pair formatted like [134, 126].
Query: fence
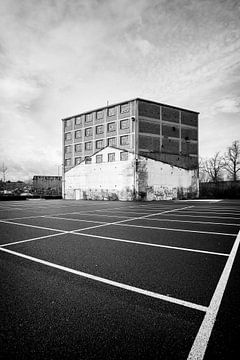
[221, 189]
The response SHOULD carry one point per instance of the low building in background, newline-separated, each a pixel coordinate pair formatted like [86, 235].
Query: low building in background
[47, 185]
[159, 143]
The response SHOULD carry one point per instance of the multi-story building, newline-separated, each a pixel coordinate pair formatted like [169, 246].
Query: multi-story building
[148, 129]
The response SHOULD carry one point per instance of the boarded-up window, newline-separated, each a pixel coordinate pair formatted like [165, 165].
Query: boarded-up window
[89, 117]
[78, 134]
[123, 156]
[170, 114]
[99, 159]
[111, 157]
[99, 144]
[149, 127]
[77, 160]
[124, 124]
[124, 108]
[111, 127]
[112, 141]
[78, 147]
[88, 145]
[111, 111]
[88, 132]
[124, 140]
[68, 136]
[99, 129]
[78, 120]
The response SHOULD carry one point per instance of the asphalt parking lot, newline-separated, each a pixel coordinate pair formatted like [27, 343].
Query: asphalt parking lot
[120, 280]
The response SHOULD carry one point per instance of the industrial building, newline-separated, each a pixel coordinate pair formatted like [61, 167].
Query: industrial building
[136, 149]
[47, 185]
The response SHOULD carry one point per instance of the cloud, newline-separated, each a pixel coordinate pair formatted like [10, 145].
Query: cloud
[228, 105]
[59, 57]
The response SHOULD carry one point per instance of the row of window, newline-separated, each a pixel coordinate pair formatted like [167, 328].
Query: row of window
[124, 124]
[79, 120]
[99, 159]
[99, 144]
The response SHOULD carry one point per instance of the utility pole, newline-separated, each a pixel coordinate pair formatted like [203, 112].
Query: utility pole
[4, 170]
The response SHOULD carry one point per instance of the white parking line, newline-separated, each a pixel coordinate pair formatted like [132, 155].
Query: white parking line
[208, 217]
[91, 227]
[201, 341]
[134, 218]
[110, 282]
[172, 229]
[196, 222]
[70, 219]
[212, 212]
[32, 239]
[152, 244]
[32, 226]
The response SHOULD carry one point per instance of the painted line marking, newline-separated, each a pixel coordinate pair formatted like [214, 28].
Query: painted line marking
[152, 244]
[202, 216]
[32, 239]
[110, 282]
[134, 218]
[195, 222]
[201, 341]
[212, 212]
[172, 229]
[69, 219]
[33, 226]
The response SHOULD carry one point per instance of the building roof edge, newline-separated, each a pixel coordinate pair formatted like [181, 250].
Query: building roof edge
[123, 102]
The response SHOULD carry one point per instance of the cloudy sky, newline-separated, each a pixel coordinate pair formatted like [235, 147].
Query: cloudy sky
[61, 57]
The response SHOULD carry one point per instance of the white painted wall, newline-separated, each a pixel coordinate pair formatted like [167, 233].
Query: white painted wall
[106, 180]
[163, 181]
[154, 180]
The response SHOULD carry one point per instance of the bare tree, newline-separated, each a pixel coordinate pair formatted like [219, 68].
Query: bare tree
[232, 160]
[203, 176]
[212, 169]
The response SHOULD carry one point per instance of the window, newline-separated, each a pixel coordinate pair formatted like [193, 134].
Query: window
[124, 108]
[112, 141]
[124, 140]
[78, 134]
[78, 120]
[100, 115]
[89, 117]
[77, 160]
[111, 111]
[88, 160]
[99, 144]
[88, 132]
[111, 127]
[123, 156]
[99, 129]
[124, 124]
[68, 123]
[88, 145]
[68, 136]
[67, 149]
[68, 162]
[111, 157]
[99, 159]
[78, 147]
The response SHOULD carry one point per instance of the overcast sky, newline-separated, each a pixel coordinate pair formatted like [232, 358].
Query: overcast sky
[61, 57]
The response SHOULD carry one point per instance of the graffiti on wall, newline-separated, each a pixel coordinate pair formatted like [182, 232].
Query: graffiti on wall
[126, 194]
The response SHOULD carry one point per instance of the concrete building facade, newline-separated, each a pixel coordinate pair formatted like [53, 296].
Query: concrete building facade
[158, 142]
